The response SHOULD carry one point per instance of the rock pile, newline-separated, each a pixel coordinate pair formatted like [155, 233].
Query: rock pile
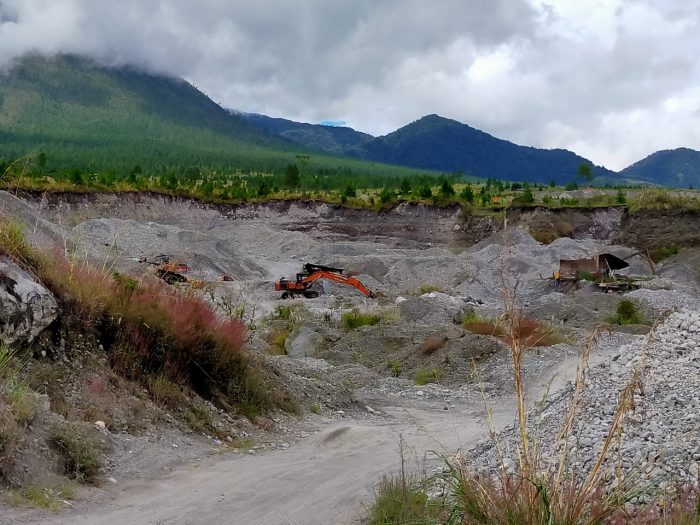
[661, 434]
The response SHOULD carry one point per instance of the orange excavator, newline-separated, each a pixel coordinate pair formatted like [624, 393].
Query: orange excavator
[312, 273]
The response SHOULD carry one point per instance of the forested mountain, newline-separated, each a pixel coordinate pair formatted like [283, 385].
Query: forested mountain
[676, 167]
[334, 139]
[78, 112]
[437, 143]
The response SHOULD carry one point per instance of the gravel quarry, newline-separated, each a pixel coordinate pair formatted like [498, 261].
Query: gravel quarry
[416, 376]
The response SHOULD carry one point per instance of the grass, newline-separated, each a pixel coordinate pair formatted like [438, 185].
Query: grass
[165, 392]
[627, 313]
[528, 332]
[432, 345]
[82, 454]
[403, 501]
[427, 375]
[42, 497]
[242, 443]
[429, 288]
[660, 199]
[277, 340]
[355, 319]
[315, 408]
[10, 436]
[23, 404]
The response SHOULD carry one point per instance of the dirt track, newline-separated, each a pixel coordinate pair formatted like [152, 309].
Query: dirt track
[328, 478]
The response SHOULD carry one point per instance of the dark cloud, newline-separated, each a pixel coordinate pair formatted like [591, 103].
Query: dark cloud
[612, 79]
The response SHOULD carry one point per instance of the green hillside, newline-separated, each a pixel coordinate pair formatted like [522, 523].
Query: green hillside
[84, 116]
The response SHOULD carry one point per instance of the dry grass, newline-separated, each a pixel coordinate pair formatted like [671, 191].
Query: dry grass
[432, 345]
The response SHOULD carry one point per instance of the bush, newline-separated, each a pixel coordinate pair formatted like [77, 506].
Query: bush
[627, 313]
[82, 455]
[23, 404]
[428, 375]
[353, 320]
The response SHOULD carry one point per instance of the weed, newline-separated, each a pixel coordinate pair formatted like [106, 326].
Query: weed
[242, 443]
[354, 319]
[198, 418]
[428, 375]
[315, 408]
[82, 455]
[165, 392]
[470, 316]
[42, 497]
[627, 313]
[283, 311]
[394, 368]
[663, 252]
[23, 404]
[10, 435]
[403, 501]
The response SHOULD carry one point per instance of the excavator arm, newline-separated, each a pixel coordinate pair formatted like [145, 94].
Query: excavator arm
[338, 278]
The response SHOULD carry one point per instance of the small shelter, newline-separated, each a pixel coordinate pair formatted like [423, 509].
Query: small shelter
[601, 265]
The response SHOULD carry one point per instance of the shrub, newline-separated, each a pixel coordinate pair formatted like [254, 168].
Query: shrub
[428, 375]
[353, 320]
[394, 368]
[627, 313]
[663, 252]
[315, 408]
[82, 455]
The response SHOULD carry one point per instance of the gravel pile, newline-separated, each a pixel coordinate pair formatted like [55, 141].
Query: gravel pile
[661, 435]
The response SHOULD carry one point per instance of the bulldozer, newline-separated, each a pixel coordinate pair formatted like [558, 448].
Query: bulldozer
[312, 273]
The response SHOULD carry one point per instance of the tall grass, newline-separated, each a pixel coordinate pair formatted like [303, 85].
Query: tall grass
[151, 329]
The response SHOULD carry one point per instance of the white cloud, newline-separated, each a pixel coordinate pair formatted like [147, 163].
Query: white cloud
[612, 80]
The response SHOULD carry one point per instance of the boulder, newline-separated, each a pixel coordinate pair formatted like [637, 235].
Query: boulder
[303, 343]
[26, 307]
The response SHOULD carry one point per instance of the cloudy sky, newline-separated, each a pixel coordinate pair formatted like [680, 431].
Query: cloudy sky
[613, 80]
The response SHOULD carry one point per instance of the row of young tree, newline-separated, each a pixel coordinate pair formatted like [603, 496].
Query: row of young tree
[304, 181]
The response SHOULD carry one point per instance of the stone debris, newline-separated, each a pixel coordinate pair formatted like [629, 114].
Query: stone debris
[661, 435]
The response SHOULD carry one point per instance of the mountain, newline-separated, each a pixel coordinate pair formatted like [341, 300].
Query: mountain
[676, 167]
[333, 139]
[79, 112]
[438, 143]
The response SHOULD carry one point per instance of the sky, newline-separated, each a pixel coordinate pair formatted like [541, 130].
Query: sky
[612, 80]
